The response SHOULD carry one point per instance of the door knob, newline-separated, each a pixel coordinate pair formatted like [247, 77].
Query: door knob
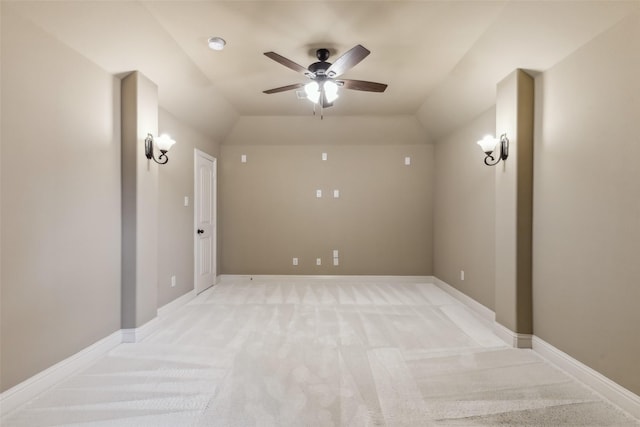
[200, 231]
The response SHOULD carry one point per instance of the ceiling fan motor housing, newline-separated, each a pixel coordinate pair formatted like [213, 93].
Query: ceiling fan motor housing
[322, 54]
[320, 68]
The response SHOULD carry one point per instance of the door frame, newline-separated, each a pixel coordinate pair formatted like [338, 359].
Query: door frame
[196, 203]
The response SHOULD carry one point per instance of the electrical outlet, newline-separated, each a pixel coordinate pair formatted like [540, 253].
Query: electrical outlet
[318, 261]
[243, 158]
[407, 161]
[295, 261]
[324, 156]
[173, 281]
[461, 274]
[336, 194]
[336, 262]
[335, 253]
[318, 194]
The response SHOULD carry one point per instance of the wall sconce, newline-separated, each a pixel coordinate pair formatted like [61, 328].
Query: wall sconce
[164, 143]
[488, 144]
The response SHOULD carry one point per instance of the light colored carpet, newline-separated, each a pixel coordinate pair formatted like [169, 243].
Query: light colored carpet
[320, 353]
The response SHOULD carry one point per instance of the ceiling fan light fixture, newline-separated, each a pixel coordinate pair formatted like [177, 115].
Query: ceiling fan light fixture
[312, 90]
[331, 90]
[216, 43]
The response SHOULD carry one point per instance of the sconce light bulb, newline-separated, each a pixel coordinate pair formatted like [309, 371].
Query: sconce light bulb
[165, 142]
[488, 144]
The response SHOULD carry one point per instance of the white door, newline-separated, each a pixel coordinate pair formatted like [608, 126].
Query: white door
[205, 221]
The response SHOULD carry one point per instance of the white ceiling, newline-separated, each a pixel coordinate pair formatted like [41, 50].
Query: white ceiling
[441, 59]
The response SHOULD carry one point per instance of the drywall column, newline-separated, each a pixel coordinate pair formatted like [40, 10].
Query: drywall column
[139, 116]
[514, 202]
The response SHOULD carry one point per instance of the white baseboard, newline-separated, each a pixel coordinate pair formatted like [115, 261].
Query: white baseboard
[133, 335]
[176, 303]
[22, 393]
[227, 278]
[611, 391]
[474, 305]
[514, 339]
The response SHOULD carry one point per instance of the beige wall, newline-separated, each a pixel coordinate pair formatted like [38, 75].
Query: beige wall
[380, 224]
[463, 227]
[60, 201]
[332, 130]
[61, 204]
[586, 269]
[175, 232]
[513, 210]
[586, 234]
[139, 117]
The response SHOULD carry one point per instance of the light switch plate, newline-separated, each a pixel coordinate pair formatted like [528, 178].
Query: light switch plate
[324, 156]
[318, 193]
[243, 158]
[407, 161]
[186, 201]
[336, 194]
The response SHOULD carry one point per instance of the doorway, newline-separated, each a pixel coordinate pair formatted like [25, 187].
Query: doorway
[205, 221]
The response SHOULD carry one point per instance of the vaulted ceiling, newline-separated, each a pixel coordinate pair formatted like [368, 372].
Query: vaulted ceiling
[441, 59]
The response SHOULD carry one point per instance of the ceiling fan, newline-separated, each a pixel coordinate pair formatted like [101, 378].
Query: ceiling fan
[323, 88]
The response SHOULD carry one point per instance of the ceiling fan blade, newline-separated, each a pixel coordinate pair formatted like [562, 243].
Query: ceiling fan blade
[284, 88]
[363, 85]
[288, 63]
[347, 60]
